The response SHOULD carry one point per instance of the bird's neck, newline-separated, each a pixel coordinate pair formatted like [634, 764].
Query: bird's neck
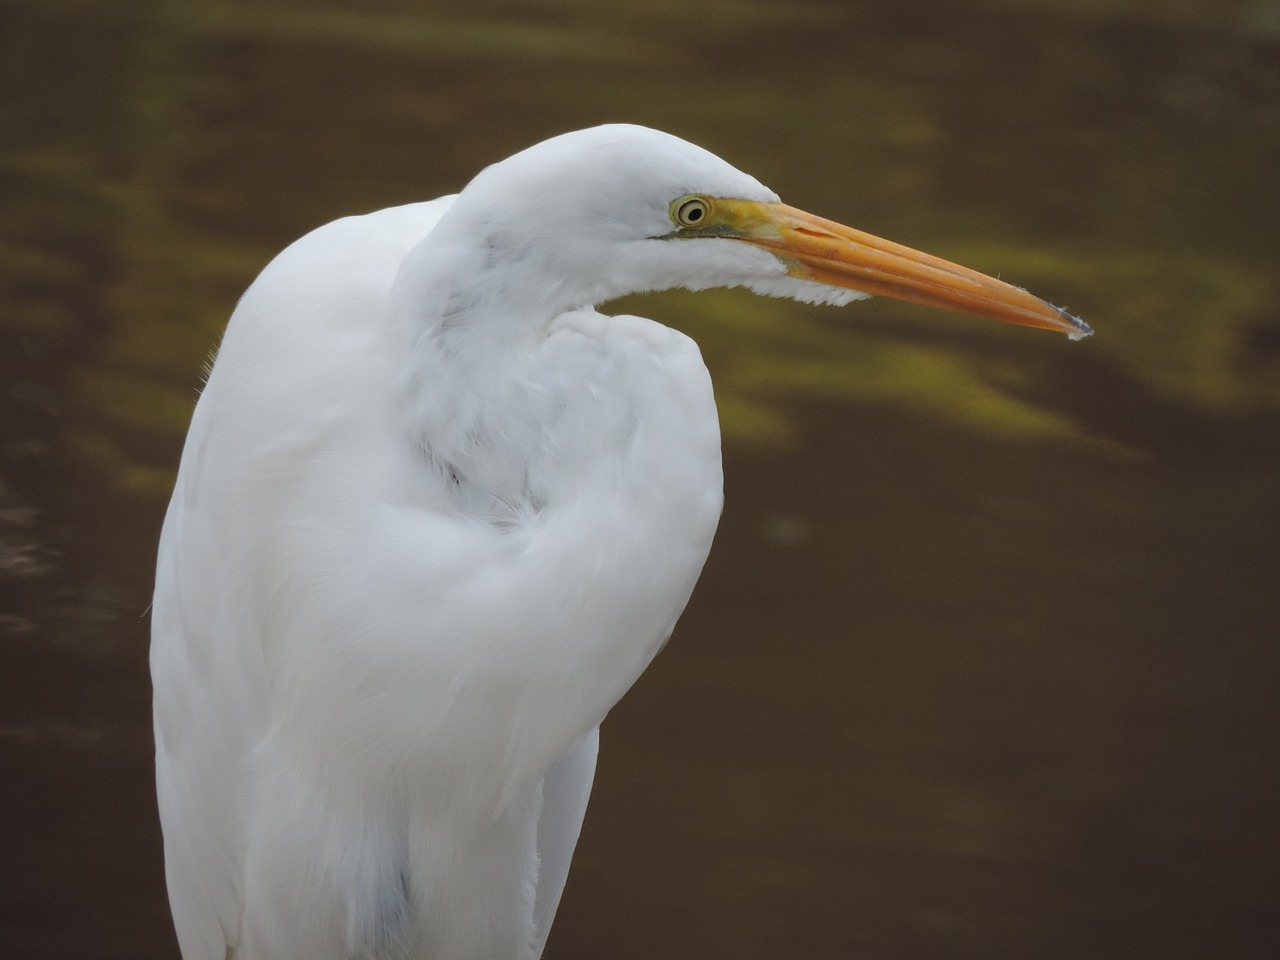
[473, 323]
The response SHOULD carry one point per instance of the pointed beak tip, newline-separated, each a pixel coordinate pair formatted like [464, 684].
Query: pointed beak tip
[1077, 328]
[838, 256]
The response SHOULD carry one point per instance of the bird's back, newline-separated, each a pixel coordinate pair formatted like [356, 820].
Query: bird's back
[301, 349]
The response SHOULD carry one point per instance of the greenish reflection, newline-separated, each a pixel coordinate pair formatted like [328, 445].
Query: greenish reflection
[181, 145]
[1037, 579]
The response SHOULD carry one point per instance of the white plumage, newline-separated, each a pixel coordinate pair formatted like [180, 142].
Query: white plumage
[433, 518]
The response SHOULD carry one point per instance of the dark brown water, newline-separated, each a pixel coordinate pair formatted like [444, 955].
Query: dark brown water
[985, 661]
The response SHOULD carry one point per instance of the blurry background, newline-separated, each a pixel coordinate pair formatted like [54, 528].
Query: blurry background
[984, 663]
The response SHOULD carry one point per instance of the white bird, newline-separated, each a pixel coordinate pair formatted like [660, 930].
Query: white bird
[434, 516]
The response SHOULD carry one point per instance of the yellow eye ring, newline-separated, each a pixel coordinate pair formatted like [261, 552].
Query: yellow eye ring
[691, 211]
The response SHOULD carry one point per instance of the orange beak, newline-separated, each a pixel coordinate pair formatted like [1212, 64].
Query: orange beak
[830, 253]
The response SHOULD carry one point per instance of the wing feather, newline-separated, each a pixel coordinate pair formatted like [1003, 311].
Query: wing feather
[566, 788]
[208, 672]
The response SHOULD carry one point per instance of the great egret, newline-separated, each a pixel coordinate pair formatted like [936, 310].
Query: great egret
[434, 516]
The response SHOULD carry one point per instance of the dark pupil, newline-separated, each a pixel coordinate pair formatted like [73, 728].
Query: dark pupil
[693, 213]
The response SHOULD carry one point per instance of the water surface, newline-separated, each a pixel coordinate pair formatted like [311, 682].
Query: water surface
[984, 662]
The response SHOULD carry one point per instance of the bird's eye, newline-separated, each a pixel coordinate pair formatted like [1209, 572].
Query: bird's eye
[690, 211]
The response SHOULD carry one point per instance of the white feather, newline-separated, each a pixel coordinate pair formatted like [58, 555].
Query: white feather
[433, 518]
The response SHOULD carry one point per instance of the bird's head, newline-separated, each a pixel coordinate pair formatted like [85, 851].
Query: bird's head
[619, 209]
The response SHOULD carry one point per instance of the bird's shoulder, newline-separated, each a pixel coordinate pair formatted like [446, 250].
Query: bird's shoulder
[631, 352]
[309, 349]
[341, 269]
[616, 330]
[633, 399]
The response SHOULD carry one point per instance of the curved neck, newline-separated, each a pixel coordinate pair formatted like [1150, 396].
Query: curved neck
[472, 322]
